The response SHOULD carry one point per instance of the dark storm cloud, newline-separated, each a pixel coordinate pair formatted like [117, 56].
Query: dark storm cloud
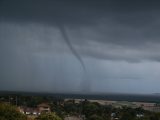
[123, 23]
[43, 42]
[76, 13]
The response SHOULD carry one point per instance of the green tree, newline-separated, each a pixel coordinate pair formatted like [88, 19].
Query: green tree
[71, 108]
[90, 109]
[9, 112]
[48, 116]
[96, 117]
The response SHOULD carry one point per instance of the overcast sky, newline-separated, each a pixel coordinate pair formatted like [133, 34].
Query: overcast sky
[80, 46]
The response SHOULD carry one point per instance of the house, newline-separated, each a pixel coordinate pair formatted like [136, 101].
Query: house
[35, 112]
[29, 111]
[41, 108]
[44, 108]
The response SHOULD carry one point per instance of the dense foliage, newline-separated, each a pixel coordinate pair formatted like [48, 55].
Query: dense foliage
[9, 112]
[61, 108]
[48, 116]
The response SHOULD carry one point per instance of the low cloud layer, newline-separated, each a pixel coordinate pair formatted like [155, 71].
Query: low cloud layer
[116, 41]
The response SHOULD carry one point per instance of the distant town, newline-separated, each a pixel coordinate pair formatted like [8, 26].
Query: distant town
[53, 108]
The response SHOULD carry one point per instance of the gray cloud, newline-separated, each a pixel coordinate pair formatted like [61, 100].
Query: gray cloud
[108, 35]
